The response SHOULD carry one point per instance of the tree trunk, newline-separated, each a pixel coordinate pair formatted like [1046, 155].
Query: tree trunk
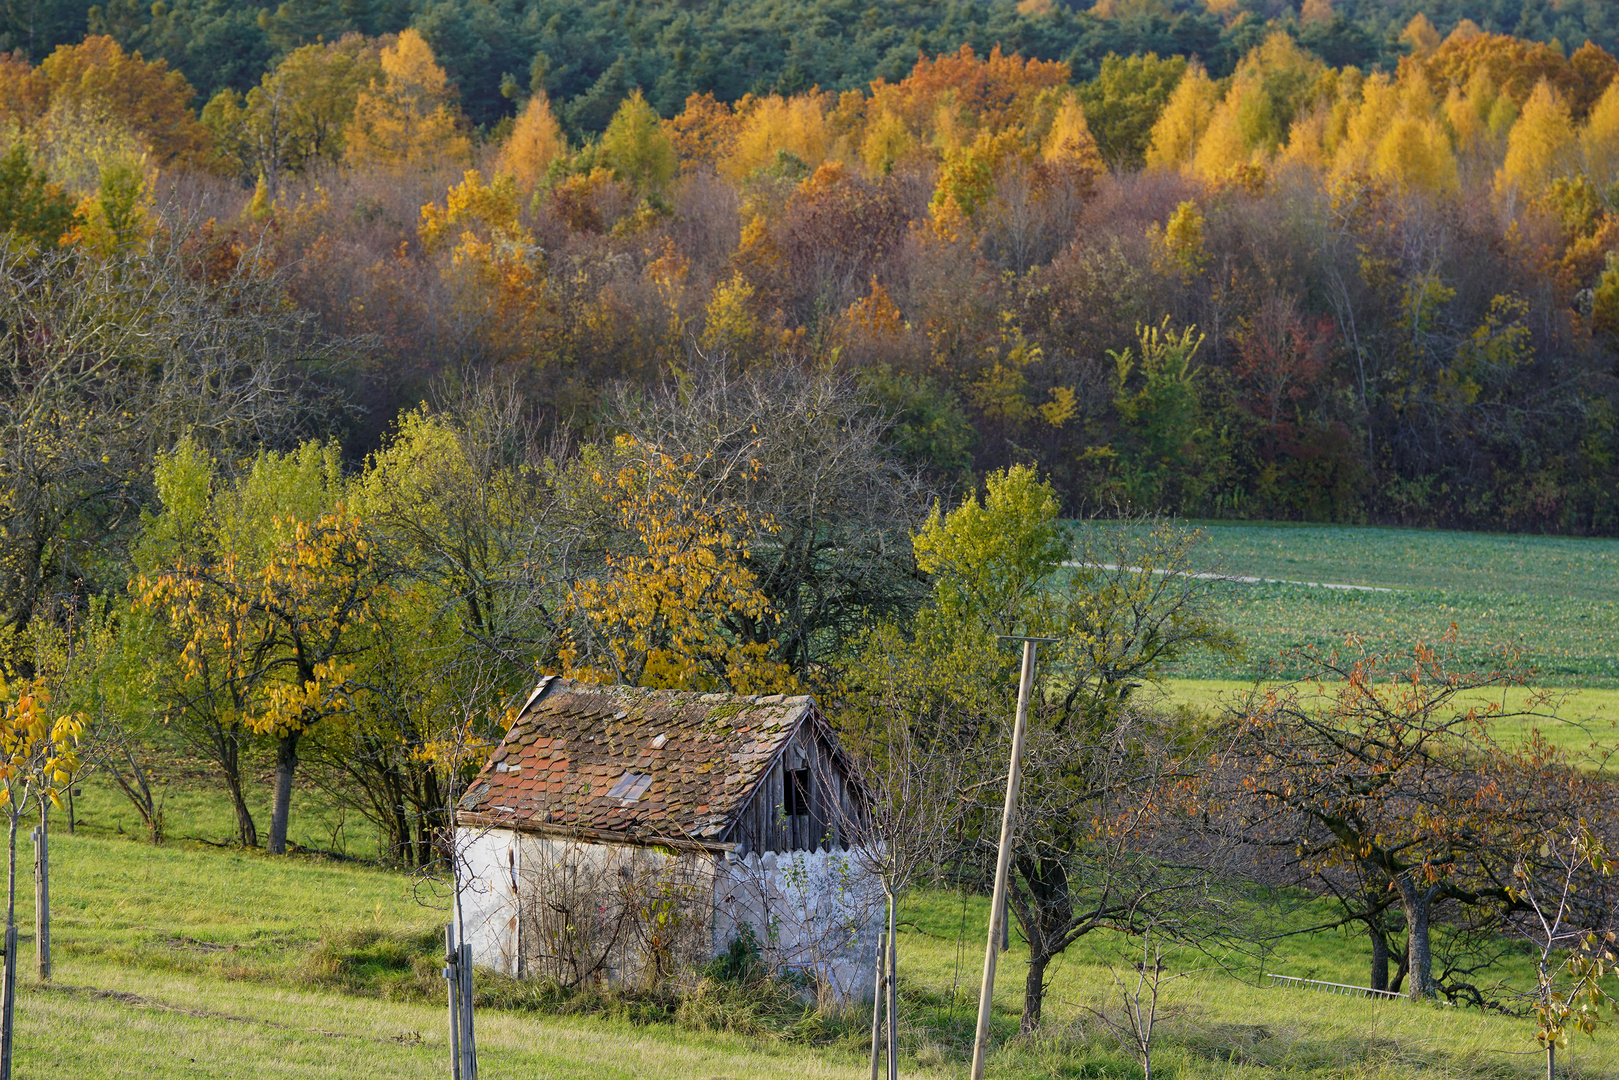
[1418, 905]
[1380, 952]
[246, 831]
[1034, 991]
[227, 754]
[286, 762]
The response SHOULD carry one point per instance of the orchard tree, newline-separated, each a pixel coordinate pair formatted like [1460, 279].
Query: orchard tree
[659, 611]
[266, 583]
[1093, 847]
[802, 452]
[1388, 766]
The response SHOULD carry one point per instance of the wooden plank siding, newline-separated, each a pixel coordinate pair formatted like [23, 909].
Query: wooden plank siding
[764, 825]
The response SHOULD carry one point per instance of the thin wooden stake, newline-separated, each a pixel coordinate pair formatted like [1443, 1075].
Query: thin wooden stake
[42, 894]
[893, 988]
[8, 1002]
[1003, 860]
[877, 993]
[452, 980]
[469, 1047]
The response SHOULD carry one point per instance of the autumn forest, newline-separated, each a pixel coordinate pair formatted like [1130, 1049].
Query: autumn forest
[360, 361]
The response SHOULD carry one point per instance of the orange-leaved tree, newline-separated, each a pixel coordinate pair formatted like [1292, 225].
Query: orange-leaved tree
[38, 757]
[409, 116]
[673, 606]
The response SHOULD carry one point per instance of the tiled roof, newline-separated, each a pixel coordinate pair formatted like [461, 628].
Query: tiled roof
[648, 764]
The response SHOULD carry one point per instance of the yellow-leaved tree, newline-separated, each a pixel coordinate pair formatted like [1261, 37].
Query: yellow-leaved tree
[1599, 141]
[38, 757]
[1070, 142]
[777, 125]
[264, 584]
[1185, 118]
[636, 147]
[409, 116]
[674, 606]
[536, 140]
[1541, 145]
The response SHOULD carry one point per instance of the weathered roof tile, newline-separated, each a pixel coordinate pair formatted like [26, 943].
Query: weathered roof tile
[679, 741]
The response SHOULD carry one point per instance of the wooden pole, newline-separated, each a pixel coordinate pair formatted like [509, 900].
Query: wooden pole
[1003, 859]
[469, 1048]
[452, 980]
[877, 999]
[893, 988]
[8, 1002]
[42, 894]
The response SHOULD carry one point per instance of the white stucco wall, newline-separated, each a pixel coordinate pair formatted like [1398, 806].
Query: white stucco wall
[489, 875]
[815, 912]
[818, 912]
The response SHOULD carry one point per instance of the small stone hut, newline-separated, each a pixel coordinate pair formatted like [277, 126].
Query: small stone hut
[625, 834]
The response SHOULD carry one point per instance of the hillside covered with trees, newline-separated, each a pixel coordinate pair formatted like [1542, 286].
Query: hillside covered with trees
[358, 362]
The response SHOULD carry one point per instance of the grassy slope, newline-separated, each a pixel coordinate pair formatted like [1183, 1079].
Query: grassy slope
[193, 961]
[1555, 598]
[1215, 1024]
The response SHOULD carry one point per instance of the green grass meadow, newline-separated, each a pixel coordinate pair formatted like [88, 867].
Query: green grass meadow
[184, 960]
[196, 959]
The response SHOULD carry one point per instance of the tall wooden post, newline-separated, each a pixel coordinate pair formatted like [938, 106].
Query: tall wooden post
[42, 894]
[8, 1003]
[452, 980]
[469, 1047]
[1003, 858]
[877, 1000]
[893, 988]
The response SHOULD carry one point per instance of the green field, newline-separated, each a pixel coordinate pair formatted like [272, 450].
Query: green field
[1554, 599]
[186, 961]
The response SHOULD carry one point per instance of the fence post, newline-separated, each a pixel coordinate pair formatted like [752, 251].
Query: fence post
[469, 1049]
[452, 982]
[42, 894]
[877, 998]
[8, 1003]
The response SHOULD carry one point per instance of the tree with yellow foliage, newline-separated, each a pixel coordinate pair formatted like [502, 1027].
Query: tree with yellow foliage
[38, 757]
[1069, 142]
[1599, 139]
[636, 148]
[409, 117]
[1185, 118]
[676, 608]
[1315, 11]
[1225, 147]
[1420, 36]
[796, 125]
[703, 130]
[98, 77]
[297, 114]
[535, 141]
[1394, 134]
[1272, 85]
[1541, 146]
[264, 583]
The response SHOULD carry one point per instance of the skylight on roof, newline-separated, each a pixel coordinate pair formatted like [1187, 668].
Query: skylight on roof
[630, 787]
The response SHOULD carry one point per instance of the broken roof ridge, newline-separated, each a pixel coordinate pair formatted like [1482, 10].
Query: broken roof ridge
[698, 758]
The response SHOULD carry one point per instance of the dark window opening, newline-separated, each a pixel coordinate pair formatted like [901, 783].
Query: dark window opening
[798, 792]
